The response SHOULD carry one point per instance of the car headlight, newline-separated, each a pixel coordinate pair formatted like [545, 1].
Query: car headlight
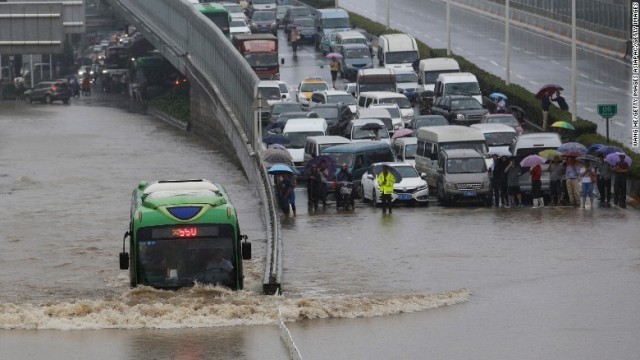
[396, 126]
[408, 117]
[450, 186]
[422, 187]
[460, 116]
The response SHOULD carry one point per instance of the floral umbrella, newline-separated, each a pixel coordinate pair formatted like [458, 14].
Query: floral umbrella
[532, 160]
[572, 147]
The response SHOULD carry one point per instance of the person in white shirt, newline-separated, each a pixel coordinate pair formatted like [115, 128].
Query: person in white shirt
[587, 178]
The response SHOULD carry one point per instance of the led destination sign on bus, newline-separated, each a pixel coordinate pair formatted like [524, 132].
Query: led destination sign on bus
[190, 231]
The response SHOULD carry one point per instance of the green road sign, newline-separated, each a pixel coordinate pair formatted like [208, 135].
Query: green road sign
[607, 110]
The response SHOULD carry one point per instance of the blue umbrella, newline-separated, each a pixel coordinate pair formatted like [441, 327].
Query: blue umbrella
[606, 150]
[280, 169]
[498, 95]
[573, 148]
[595, 147]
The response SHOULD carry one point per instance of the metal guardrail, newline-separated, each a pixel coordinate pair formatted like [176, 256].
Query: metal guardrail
[189, 40]
[285, 335]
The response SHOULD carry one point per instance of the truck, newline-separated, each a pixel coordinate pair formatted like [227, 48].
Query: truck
[261, 52]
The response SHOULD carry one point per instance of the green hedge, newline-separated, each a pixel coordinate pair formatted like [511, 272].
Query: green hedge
[174, 103]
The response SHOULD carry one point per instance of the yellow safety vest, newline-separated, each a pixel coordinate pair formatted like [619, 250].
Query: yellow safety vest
[386, 185]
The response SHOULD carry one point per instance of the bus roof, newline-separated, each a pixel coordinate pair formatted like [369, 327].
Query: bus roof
[210, 8]
[177, 185]
[449, 133]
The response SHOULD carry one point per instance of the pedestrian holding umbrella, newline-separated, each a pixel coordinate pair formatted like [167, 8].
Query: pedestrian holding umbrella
[497, 95]
[614, 158]
[280, 169]
[532, 160]
[334, 66]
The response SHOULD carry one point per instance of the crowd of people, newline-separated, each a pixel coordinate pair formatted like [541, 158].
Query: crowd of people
[571, 182]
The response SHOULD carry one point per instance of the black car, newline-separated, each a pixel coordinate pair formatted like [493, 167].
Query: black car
[263, 22]
[459, 109]
[49, 91]
[283, 107]
[305, 26]
[292, 13]
[427, 120]
[337, 116]
[354, 58]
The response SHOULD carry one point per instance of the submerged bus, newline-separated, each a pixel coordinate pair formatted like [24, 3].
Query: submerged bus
[182, 232]
[216, 13]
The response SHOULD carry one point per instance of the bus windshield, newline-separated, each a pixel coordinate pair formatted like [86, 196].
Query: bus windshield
[364, 87]
[468, 88]
[221, 19]
[175, 256]
[298, 139]
[401, 57]
[479, 146]
[336, 23]
[257, 60]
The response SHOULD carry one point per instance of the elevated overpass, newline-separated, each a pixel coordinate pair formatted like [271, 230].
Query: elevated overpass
[223, 89]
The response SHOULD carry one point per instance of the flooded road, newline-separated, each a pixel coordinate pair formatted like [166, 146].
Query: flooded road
[424, 282]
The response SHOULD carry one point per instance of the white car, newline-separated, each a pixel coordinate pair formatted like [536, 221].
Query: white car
[238, 26]
[394, 113]
[333, 97]
[235, 11]
[411, 188]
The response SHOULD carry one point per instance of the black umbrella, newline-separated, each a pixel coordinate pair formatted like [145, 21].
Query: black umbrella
[275, 139]
[371, 126]
[276, 156]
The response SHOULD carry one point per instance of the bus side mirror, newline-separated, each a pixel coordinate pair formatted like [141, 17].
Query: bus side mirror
[124, 261]
[246, 248]
[419, 81]
[282, 61]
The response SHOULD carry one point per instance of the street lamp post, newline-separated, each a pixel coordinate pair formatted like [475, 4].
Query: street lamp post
[574, 70]
[507, 47]
[388, 15]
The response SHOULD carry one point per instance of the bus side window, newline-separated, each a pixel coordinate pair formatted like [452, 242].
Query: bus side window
[420, 148]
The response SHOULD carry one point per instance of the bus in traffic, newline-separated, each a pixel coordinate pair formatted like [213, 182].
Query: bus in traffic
[183, 232]
[216, 13]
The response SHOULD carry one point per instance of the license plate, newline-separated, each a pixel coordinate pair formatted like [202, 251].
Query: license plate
[470, 193]
[404, 197]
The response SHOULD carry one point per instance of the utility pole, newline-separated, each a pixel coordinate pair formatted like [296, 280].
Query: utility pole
[448, 28]
[507, 46]
[574, 67]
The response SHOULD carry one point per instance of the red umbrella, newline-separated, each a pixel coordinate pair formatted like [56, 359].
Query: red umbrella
[402, 133]
[548, 90]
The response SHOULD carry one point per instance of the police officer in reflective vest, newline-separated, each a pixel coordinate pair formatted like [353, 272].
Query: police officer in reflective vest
[386, 181]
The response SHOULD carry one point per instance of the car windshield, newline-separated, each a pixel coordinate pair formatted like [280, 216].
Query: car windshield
[507, 120]
[355, 41]
[357, 53]
[406, 78]
[431, 122]
[311, 87]
[264, 2]
[263, 16]
[298, 139]
[432, 76]
[286, 107]
[303, 22]
[402, 102]
[365, 87]
[499, 138]
[270, 93]
[336, 23]
[479, 146]
[233, 9]
[393, 111]
[346, 99]
[465, 104]
[257, 59]
[301, 11]
[280, 10]
[359, 134]
[237, 23]
[283, 88]
[410, 151]
[401, 57]
[466, 166]
[468, 88]
[326, 112]
[406, 171]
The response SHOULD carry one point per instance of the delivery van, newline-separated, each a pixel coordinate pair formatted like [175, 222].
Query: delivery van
[396, 51]
[297, 131]
[462, 83]
[430, 69]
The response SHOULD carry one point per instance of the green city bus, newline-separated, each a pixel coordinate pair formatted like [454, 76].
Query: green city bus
[216, 13]
[182, 232]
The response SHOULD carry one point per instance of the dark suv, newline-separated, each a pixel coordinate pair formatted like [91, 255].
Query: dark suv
[49, 91]
[459, 109]
[292, 13]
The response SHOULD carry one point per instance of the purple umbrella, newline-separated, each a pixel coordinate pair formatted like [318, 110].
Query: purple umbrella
[333, 56]
[613, 158]
[532, 160]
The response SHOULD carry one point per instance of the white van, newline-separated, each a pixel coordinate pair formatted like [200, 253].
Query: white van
[315, 145]
[433, 139]
[350, 37]
[430, 69]
[297, 131]
[397, 51]
[531, 144]
[499, 137]
[404, 149]
[366, 99]
[463, 83]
